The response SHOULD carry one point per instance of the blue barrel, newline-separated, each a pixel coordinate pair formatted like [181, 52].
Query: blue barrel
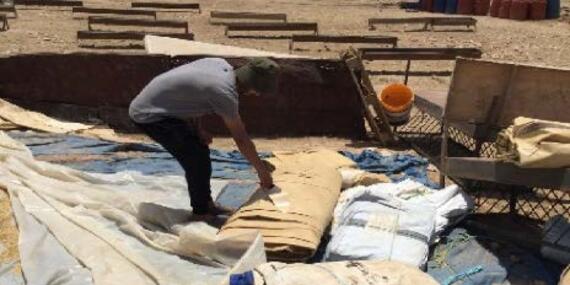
[451, 7]
[439, 6]
[552, 9]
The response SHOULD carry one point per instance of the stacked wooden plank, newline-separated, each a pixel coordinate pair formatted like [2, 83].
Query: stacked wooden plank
[221, 17]
[92, 20]
[59, 3]
[265, 26]
[426, 21]
[127, 20]
[114, 11]
[5, 9]
[167, 5]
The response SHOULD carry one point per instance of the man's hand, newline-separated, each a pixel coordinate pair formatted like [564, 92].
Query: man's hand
[265, 179]
[247, 148]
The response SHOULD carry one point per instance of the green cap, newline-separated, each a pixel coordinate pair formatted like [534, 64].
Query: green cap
[260, 74]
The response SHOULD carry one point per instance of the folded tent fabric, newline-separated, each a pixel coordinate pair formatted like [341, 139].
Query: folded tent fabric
[533, 143]
[393, 221]
[312, 183]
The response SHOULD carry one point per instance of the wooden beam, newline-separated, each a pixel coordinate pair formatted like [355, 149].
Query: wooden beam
[343, 39]
[346, 39]
[49, 2]
[418, 53]
[491, 170]
[4, 22]
[99, 35]
[454, 21]
[9, 9]
[427, 21]
[414, 20]
[167, 5]
[249, 15]
[298, 26]
[136, 22]
[132, 12]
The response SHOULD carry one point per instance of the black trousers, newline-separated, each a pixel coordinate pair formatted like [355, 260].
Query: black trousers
[182, 141]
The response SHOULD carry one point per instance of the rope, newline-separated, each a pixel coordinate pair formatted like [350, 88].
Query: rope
[461, 276]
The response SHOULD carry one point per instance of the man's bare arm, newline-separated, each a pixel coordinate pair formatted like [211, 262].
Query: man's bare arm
[247, 148]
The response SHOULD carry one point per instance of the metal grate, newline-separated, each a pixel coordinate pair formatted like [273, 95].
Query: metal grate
[423, 132]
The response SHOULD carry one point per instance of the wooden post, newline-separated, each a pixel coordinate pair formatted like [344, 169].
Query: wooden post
[407, 71]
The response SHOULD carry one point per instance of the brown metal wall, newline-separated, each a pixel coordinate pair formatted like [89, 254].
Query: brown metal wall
[317, 97]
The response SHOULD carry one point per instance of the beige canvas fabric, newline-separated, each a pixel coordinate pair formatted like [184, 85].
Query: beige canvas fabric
[338, 273]
[355, 177]
[12, 116]
[565, 278]
[311, 182]
[175, 47]
[532, 143]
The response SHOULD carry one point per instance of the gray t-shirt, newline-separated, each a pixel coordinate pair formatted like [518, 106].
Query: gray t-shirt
[201, 87]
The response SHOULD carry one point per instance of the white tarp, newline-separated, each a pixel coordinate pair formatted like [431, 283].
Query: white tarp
[174, 47]
[99, 218]
[393, 221]
[340, 273]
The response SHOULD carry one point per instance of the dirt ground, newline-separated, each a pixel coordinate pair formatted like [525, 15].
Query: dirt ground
[53, 30]
[41, 29]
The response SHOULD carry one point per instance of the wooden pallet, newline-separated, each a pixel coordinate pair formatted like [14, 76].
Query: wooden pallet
[373, 111]
[112, 11]
[343, 39]
[280, 17]
[9, 9]
[58, 3]
[136, 22]
[297, 26]
[4, 21]
[167, 5]
[131, 35]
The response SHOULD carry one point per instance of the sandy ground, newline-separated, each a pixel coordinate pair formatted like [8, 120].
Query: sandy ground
[40, 29]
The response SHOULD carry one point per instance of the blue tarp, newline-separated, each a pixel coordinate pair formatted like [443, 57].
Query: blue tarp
[398, 166]
[462, 258]
[153, 160]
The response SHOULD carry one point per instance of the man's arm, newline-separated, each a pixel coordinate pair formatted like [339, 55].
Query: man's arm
[247, 148]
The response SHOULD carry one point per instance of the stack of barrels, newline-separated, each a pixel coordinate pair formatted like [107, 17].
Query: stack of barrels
[525, 9]
[508, 9]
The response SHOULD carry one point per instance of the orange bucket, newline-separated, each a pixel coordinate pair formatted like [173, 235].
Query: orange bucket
[397, 100]
[396, 97]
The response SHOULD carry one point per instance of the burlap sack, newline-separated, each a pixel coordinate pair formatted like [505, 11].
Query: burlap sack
[532, 143]
[312, 184]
